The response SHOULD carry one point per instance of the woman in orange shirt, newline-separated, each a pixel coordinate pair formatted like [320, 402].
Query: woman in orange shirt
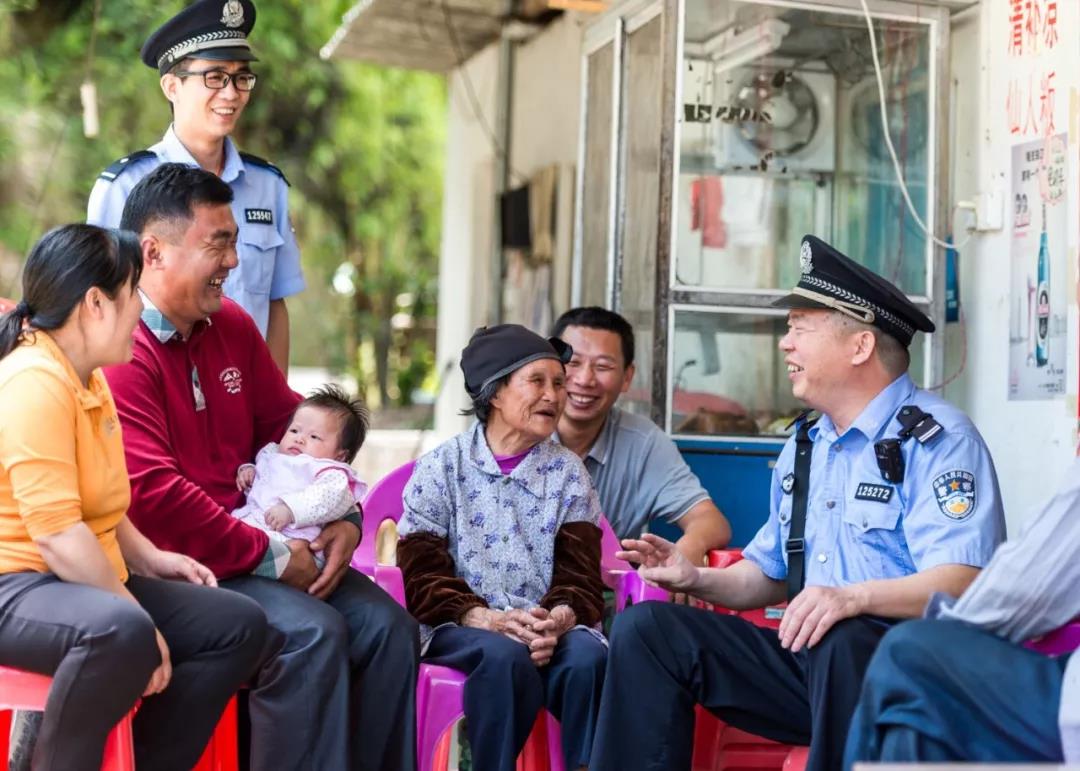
[84, 597]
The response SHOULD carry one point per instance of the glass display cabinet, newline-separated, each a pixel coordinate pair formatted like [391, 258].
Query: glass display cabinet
[715, 134]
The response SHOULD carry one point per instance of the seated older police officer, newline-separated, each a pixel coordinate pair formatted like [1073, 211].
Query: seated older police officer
[873, 537]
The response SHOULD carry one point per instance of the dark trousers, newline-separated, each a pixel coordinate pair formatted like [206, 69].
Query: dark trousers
[341, 692]
[943, 691]
[100, 650]
[666, 658]
[504, 691]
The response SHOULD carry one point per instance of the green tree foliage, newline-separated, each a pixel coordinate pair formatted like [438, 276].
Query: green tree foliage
[362, 145]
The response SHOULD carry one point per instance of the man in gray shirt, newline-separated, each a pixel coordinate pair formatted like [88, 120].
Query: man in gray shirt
[636, 468]
[962, 687]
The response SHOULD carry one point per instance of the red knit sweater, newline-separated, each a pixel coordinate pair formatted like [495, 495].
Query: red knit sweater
[183, 462]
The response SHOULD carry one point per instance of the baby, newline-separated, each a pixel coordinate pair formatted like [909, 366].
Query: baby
[306, 481]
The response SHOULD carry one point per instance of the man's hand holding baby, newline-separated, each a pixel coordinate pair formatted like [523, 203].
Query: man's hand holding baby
[245, 478]
[278, 517]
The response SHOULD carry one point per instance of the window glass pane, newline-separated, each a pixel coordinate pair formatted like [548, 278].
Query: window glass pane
[729, 376]
[780, 135]
[596, 192]
[639, 222]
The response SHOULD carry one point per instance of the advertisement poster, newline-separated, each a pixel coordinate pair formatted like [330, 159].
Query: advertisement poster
[1039, 297]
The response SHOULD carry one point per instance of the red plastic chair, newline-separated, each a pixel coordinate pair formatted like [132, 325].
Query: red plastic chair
[718, 746]
[796, 759]
[29, 691]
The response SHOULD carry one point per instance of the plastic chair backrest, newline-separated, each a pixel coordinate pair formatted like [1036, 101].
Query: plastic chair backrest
[382, 502]
[609, 544]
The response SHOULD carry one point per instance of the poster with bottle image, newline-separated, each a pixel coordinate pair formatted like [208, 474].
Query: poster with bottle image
[1038, 301]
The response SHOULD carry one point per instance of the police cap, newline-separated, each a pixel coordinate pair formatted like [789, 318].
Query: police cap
[834, 281]
[207, 29]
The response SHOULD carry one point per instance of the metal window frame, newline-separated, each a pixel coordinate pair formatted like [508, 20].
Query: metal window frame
[612, 27]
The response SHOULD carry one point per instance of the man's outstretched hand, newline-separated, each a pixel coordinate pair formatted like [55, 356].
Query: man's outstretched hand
[660, 563]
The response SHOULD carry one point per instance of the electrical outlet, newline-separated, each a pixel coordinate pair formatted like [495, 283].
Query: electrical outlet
[990, 210]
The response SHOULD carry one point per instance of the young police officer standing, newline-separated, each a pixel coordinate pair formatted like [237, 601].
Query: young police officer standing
[204, 59]
[887, 498]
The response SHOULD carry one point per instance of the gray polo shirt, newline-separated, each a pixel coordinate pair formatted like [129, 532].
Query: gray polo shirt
[639, 474]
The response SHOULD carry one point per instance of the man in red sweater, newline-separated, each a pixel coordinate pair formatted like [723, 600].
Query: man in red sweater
[200, 397]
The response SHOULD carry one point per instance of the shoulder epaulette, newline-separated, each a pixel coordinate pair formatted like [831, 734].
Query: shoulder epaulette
[255, 160]
[118, 167]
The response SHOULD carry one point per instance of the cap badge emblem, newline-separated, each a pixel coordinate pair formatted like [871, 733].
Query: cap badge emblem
[232, 14]
[806, 257]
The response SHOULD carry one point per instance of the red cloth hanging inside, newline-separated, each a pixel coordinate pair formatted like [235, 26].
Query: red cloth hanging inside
[706, 207]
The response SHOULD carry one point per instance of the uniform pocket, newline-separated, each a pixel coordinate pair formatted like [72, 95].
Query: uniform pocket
[257, 252]
[868, 516]
[875, 530]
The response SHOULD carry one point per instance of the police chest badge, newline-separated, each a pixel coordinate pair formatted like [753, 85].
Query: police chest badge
[788, 484]
[955, 494]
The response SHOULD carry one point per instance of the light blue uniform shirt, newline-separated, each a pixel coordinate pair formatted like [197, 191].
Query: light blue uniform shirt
[269, 257]
[860, 527]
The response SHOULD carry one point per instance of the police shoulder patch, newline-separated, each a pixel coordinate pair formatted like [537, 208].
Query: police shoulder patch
[116, 168]
[955, 494]
[255, 160]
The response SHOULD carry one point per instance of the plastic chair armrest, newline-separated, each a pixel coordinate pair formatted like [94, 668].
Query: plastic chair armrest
[388, 578]
[630, 589]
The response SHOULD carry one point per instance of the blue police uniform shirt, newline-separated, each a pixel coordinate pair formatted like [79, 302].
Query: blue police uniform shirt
[269, 257]
[860, 527]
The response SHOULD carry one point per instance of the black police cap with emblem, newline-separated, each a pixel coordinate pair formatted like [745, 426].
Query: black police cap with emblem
[834, 281]
[207, 29]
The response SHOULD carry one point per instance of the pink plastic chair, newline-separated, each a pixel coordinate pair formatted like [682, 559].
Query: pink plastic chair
[621, 577]
[439, 690]
[1060, 642]
[29, 691]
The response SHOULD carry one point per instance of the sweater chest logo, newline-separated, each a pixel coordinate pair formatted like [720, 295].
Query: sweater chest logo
[259, 216]
[231, 378]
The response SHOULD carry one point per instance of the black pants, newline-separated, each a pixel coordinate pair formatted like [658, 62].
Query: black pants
[341, 692]
[100, 650]
[504, 691]
[666, 658]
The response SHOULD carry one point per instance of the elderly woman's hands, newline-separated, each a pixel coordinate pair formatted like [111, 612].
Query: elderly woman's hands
[550, 626]
[537, 628]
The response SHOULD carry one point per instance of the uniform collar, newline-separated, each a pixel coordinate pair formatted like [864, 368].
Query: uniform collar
[529, 472]
[159, 326]
[877, 415]
[172, 149]
[92, 396]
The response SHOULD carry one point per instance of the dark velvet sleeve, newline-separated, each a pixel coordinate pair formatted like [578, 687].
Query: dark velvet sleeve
[433, 593]
[575, 578]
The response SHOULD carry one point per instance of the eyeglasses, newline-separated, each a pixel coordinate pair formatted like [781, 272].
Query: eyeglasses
[219, 79]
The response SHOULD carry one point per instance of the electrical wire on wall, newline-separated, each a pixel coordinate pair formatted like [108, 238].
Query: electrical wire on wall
[907, 197]
[474, 101]
[889, 143]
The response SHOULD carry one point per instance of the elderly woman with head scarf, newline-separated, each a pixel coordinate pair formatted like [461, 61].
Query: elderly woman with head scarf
[500, 550]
